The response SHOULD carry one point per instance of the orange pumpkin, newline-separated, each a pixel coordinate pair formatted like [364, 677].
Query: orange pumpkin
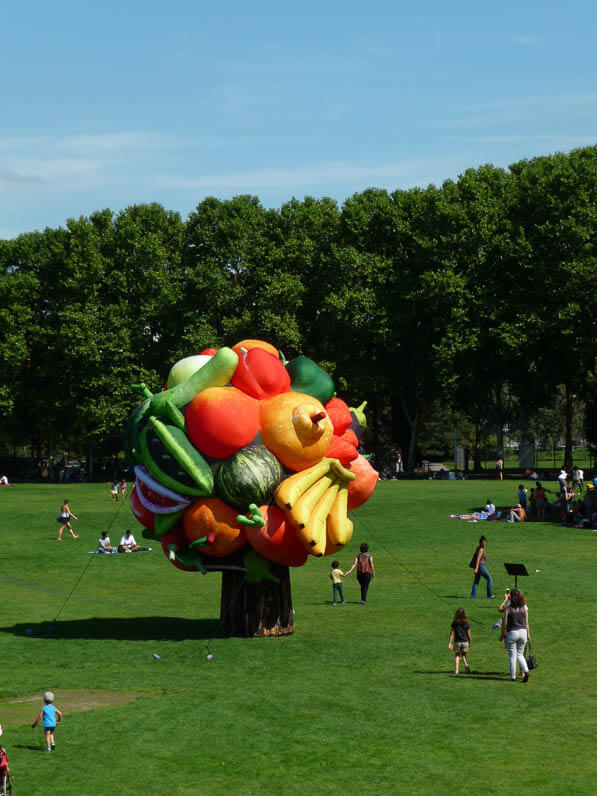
[211, 515]
[296, 429]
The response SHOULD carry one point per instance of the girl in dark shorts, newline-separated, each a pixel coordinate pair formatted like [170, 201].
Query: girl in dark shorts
[460, 639]
[64, 520]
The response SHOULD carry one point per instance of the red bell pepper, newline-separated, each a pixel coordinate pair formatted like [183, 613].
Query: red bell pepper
[261, 374]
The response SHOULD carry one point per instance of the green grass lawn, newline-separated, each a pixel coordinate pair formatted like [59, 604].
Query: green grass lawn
[360, 698]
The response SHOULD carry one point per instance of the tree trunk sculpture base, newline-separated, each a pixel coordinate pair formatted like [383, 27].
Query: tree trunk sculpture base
[256, 609]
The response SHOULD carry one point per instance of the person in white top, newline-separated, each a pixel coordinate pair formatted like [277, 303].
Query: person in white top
[104, 545]
[578, 476]
[489, 509]
[127, 543]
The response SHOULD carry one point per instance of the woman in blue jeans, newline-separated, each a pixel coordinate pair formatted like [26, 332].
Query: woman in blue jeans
[481, 571]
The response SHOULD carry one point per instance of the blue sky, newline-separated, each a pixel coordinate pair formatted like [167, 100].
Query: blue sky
[116, 103]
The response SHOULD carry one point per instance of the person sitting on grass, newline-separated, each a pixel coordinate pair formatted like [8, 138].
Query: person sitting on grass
[517, 514]
[489, 509]
[460, 639]
[128, 543]
[104, 545]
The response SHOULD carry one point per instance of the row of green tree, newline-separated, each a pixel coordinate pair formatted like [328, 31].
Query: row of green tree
[471, 303]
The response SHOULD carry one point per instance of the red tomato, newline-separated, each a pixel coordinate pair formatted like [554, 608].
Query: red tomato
[277, 540]
[221, 421]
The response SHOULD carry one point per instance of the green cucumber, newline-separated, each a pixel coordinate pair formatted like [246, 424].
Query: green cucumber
[215, 373]
[173, 461]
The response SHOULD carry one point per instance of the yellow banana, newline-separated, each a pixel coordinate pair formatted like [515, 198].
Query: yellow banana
[291, 489]
[314, 535]
[341, 472]
[338, 526]
[301, 511]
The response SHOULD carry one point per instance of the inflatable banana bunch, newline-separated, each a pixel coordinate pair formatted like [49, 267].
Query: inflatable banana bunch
[315, 501]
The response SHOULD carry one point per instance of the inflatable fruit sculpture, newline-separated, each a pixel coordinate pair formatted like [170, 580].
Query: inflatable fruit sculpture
[245, 459]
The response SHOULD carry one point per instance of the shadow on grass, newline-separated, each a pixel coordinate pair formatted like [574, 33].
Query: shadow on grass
[144, 628]
[472, 676]
[27, 746]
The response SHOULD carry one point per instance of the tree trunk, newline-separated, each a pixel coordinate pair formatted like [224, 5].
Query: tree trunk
[256, 609]
[413, 423]
[570, 397]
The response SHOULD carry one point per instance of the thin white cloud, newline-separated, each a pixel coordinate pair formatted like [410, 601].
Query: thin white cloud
[41, 159]
[8, 175]
[319, 174]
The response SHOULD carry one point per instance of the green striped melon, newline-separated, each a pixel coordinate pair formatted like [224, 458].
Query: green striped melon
[249, 476]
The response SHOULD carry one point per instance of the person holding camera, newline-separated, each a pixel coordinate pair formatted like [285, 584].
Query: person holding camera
[515, 630]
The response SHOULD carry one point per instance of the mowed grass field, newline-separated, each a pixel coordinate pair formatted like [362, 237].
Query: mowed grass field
[359, 699]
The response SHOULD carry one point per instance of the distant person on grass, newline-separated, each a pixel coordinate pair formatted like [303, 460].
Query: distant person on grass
[460, 639]
[517, 514]
[114, 491]
[479, 561]
[64, 520]
[540, 501]
[522, 496]
[104, 545]
[578, 479]
[336, 576]
[123, 489]
[489, 509]
[128, 543]
[499, 468]
[50, 716]
[365, 570]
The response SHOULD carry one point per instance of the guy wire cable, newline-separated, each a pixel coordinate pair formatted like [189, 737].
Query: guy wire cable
[416, 577]
[90, 559]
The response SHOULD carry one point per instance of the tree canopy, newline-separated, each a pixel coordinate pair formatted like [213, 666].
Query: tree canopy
[475, 300]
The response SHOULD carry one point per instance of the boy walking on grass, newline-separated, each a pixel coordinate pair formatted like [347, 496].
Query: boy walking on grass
[336, 576]
[50, 716]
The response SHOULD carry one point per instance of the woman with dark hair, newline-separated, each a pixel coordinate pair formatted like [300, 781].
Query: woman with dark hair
[540, 501]
[478, 563]
[64, 520]
[515, 629]
[365, 570]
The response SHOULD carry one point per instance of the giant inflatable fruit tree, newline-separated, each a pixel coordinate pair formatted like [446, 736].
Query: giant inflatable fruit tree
[247, 464]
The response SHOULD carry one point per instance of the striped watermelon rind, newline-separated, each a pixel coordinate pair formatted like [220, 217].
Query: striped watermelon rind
[250, 475]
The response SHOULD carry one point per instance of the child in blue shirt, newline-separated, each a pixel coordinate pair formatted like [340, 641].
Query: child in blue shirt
[522, 496]
[50, 716]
